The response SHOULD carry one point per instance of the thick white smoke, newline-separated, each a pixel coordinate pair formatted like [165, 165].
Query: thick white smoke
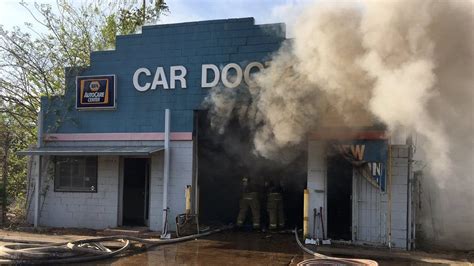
[408, 64]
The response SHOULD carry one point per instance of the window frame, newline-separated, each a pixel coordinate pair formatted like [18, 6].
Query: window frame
[56, 176]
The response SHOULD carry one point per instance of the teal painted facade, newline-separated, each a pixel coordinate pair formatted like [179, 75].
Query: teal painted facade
[217, 42]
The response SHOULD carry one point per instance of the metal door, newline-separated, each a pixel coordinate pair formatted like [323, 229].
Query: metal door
[367, 218]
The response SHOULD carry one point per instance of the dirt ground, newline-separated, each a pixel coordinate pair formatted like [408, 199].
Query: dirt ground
[238, 248]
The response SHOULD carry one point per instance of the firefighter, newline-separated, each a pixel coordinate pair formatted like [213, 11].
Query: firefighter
[276, 214]
[249, 200]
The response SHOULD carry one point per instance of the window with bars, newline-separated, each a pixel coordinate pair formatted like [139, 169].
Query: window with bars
[75, 173]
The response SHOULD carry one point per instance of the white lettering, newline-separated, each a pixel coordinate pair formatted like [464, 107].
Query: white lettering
[159, 79]
[94, 94]
[179, 72]
[91, 100]
[376, 169]
[174, 77]
[204, 69]
[358, 151]
[236, 79]
[136, 76]
[247, 70]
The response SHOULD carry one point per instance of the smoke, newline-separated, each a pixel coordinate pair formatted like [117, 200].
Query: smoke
[405, 63]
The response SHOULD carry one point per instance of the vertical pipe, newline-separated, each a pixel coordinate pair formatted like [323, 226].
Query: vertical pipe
[166, 170]
[196, 190]
[415, 205]
[389, 195]
[409, 142]
[197, 204]
[196, 172]
[325, 178]
[409, 199]
[305, 213]
[355, 202]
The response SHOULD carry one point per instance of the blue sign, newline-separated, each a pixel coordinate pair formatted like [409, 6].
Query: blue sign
[95, 92]
[371, 154]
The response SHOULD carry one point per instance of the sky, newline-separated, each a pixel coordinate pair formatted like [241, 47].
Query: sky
[264, 11]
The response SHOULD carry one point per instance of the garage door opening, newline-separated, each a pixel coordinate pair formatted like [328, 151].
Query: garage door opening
[223, 159]
[339, 198]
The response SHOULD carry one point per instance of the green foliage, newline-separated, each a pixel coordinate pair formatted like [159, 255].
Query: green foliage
[132, 18]
[12, 140]
[33, 61]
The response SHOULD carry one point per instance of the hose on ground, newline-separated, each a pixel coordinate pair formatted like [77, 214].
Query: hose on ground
[79, 251]
[328, 260]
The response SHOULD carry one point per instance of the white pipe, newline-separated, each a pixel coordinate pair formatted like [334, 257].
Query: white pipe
[389, 192]
[409, 199]
[166, 169]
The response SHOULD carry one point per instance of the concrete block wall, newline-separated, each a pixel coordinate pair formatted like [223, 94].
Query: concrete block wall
[217, 42]
[156, 191]
[317, 172]
[399, 194]
[181, 175]
[100, 210]
[96, 210]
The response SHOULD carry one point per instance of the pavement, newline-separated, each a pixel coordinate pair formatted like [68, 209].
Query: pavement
[239, 248]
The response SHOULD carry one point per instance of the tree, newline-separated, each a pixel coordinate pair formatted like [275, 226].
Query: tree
[13, 170]
[33, 60]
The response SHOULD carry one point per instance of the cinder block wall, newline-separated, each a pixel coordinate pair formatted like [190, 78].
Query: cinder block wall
[191, 44]
[100, 210]
[181, 175]
[317, 171]
[79, 209]
[400, 161]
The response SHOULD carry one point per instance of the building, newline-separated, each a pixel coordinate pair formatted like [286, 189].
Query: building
[131, 134]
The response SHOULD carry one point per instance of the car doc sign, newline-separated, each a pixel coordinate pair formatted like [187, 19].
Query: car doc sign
[95, 92]
[230, 75]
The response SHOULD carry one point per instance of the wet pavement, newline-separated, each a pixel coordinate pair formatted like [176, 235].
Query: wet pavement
[241, 248]
[225, 248]
[245, 248]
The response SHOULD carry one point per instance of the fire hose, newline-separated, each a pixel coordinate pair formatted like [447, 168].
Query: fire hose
[320, 259]
[79, 251]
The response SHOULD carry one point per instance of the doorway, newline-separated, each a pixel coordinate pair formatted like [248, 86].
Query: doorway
[225, 158]
[136, 183]
[339, 198]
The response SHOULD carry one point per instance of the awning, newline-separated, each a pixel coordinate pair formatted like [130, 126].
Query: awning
[94, 150]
